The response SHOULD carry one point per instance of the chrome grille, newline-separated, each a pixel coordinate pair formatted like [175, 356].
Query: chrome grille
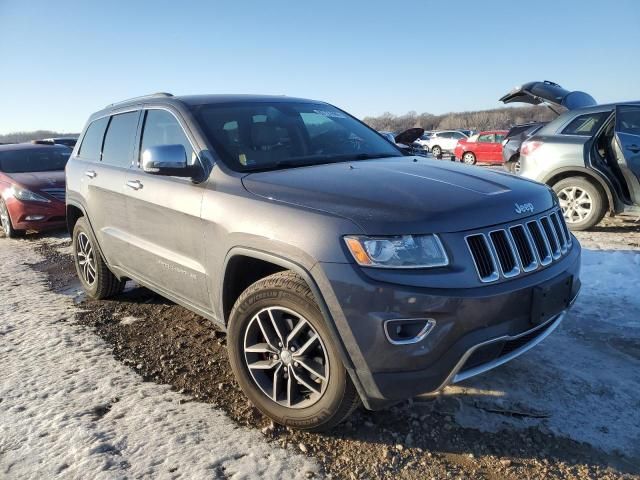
[523, 247]
[58, 193]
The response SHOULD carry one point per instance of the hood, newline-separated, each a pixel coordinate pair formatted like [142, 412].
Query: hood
[536, 93]
[409, 136]
[400, 196]
[39, 180]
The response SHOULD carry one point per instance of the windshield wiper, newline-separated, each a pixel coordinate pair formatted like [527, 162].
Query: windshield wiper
[322, 160]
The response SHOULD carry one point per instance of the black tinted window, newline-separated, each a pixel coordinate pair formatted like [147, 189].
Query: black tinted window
[628, 120]
[92, 141]
[119, 140]
[587, 124]
[162, 128]
[33, 160]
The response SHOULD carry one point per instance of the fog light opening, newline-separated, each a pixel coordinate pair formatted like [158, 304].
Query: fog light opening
[33, 218]
[408, 331]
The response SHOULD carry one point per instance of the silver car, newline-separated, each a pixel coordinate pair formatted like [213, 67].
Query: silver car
[589, 155]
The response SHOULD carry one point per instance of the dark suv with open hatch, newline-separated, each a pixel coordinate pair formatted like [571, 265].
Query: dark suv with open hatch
[342, 270]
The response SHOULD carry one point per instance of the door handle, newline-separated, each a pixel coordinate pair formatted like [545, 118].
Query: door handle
[634, 148]
[135, 184]
[90, 174]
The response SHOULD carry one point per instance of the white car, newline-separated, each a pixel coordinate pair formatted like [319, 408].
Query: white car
[444, 141]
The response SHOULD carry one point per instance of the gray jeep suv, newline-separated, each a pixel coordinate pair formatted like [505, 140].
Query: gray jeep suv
[342, 270]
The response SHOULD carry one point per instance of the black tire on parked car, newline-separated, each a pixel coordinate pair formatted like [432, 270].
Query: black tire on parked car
[5, 221]
[436, 151]
[583, 203]
[95, 276]
[469, 158]
[284, 358]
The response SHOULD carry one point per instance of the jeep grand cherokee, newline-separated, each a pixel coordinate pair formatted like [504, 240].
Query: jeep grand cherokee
[342, 270]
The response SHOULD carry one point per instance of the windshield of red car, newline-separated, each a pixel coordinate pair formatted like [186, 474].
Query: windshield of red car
[33, 160]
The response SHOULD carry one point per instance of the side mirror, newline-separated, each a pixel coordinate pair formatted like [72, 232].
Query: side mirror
[169, 160]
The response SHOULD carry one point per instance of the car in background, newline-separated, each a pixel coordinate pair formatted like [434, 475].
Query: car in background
[32, 187]
[423, 140]
[66, 141]
[512, 142]
[444, 141]
[468, 133]
[484, 147]
[589, 155]
[406, 140]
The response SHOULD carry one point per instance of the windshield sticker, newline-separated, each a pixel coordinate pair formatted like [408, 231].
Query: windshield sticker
[330, 114]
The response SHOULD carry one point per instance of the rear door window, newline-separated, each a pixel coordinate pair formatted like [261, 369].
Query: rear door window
[119, 139]
[162, 128]
[91, 146]
[586, 124]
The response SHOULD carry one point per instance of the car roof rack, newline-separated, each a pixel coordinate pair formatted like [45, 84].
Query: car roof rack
[142, 97]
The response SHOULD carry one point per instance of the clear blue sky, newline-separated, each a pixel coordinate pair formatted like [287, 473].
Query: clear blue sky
[61, 60]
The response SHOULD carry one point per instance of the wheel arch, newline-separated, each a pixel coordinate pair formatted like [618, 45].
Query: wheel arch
[614, 205]
[279, 264]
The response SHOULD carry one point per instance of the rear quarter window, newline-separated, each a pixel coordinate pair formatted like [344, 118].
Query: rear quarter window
[586, 124]
[91, 145]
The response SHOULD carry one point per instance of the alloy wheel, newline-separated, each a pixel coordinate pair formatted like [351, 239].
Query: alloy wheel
[86, 258]
[286, 357]
[469, 158]
[517, 166]
[576, 204]
[435, 151]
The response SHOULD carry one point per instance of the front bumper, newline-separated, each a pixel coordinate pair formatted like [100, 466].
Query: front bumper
[476, 328]
[49, 215]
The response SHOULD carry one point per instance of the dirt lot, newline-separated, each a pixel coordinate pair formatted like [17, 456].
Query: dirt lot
[423, 438]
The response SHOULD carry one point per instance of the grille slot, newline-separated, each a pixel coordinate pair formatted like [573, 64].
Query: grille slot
[482, 257]
[552, 239]
[505, 252]
[524, 248]
[519, 248]
[541, 244]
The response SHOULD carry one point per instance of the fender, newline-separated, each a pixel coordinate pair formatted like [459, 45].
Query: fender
[307, 277]
[84, 214]
[615, 204]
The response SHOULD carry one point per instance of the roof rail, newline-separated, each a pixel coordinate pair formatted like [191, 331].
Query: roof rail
[142, 97]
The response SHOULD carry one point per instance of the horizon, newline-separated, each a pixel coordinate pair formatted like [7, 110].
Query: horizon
[345, 54]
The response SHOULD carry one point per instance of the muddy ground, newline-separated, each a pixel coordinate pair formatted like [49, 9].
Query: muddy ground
[165, 343]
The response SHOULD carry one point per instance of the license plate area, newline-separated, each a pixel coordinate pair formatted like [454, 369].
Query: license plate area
[550, 298]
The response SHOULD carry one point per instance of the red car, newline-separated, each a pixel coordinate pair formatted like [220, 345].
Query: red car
[484, 147]
[32, 187]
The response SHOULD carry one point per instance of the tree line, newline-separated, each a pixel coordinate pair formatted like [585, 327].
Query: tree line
[20, 137]
[499, 118]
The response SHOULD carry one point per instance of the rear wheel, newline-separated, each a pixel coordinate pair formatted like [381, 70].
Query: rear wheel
[469, 158]
[583, 203]
[7, 226]
[284, 358]
[96, 278]
[436, 151]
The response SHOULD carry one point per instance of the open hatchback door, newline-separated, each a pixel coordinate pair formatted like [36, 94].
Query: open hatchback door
[628, 139]
[548, 92]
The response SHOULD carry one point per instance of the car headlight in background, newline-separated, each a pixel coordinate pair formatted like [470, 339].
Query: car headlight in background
[403, 251]
[28, 195]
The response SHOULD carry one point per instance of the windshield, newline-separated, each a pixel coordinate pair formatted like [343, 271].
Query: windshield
[270, 135]
[33, 160]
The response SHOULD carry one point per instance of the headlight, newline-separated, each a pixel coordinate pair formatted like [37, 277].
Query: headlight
[405, 251]
[24, 194]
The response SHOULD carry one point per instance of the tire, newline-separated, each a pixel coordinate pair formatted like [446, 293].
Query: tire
[96, 278]
[312, 403]
[583, 203]
[5, 221]
[469, 158]
[513, 165]
[436, 151]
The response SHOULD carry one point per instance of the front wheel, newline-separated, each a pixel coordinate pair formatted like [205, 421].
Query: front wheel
[7, 226]
[436, 151]
[583, 204]
[469, 158]
[284, 358]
